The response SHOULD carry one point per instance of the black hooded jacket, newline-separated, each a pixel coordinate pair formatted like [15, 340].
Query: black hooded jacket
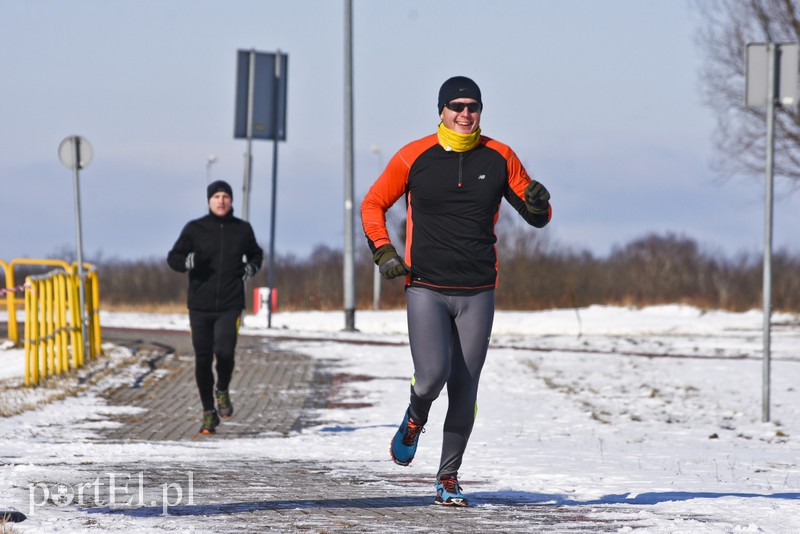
[222, 246]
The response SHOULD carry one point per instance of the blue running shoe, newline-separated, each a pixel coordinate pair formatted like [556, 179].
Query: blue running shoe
[448, 492]
[404, 443]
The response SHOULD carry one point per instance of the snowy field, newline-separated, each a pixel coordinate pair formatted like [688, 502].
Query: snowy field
[658, 408]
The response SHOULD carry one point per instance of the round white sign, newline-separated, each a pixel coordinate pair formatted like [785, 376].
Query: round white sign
[66, 151]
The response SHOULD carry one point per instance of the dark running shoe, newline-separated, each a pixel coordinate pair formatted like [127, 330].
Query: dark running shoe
[224, 404]
[448, 492]
[210, 422]
[404, 443]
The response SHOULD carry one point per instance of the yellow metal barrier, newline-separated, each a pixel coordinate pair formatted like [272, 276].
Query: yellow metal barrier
[54, 341]
[9, 294]
[11, 300]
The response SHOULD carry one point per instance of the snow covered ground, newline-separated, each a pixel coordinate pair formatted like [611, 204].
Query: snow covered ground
[660, 408]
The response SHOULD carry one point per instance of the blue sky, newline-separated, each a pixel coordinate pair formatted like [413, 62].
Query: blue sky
[601, 101]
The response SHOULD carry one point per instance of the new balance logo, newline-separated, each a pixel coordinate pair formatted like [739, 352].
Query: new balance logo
[482, 177]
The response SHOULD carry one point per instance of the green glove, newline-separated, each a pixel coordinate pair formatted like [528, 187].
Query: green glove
[389, 263]
[537, 198]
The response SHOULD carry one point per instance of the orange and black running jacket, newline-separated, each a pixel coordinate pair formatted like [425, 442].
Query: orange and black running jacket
[452, 205]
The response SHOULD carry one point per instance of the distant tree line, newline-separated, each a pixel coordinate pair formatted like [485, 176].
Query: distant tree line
[654, 269]
[534, 274]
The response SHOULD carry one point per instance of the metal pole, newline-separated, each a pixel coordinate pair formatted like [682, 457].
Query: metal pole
[248, 157]
[212, 159]
[271, 273]
[772, 58]
[349, 222]
[376, 274]
[76, 140]
[376, 288]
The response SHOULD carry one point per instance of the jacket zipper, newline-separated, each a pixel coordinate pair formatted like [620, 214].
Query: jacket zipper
[460, 159]
[221, 253]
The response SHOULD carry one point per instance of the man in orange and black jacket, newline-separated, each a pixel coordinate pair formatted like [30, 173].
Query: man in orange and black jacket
[453, 181]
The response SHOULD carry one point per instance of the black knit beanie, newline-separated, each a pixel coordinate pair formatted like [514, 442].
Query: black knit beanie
[458, 87]
[217, 186]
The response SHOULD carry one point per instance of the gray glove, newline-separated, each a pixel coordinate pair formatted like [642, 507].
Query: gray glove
[189, 263]
[537, 198]
[249, 271]
[389, 263]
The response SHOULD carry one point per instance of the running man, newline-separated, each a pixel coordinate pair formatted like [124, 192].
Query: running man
[453, 182]
[219, 251]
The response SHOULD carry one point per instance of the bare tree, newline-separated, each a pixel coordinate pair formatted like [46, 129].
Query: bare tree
[740, 139]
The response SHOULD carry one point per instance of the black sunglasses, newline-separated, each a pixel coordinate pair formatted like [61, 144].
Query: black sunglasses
[458, 107]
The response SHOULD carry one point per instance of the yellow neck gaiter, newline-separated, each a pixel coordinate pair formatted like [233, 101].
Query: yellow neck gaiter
[457, 142]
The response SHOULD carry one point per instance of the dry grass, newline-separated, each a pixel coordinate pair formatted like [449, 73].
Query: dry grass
[19, 398]
[180, 307]
[167, 307]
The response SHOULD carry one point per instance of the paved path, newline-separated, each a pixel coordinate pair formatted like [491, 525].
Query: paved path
[277, 386]
[269, 495]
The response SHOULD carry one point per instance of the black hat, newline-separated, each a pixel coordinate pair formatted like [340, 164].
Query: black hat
[217, 186]
[458, 87]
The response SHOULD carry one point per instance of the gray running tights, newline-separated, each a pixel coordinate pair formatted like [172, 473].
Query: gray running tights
[449, 336]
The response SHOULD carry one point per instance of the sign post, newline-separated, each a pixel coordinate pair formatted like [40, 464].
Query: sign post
[772, 74]
[75, 153]
[261, 114]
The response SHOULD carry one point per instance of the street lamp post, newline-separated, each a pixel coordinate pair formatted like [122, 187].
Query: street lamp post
[376, 278]
[212, 159]
[349, 186]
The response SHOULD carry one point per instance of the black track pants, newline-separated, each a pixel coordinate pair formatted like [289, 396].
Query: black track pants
[213, 334]
[449, 337]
